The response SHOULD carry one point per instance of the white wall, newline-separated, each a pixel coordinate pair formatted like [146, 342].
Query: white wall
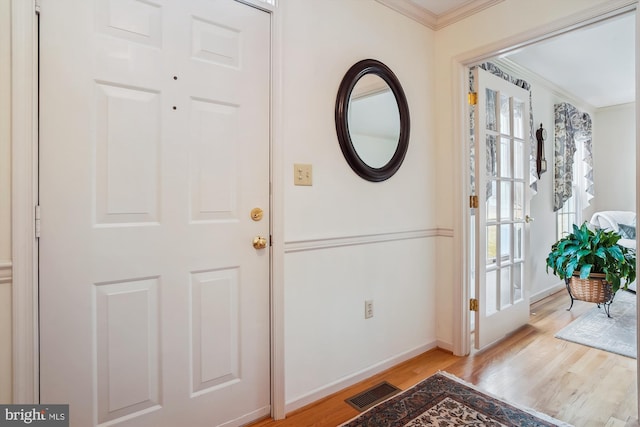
[614, 153]
[543, 230]
[497, 27]
[328, 342]
[5, 205]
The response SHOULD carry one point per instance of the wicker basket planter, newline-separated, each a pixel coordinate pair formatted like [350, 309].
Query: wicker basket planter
[588, 251]
[592, 289]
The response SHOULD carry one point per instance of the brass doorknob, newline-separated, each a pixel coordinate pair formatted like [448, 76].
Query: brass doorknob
[259, 242]
[528, 219]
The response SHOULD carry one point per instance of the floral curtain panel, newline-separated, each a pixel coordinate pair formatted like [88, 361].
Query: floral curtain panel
[491, 146]
[572, 127]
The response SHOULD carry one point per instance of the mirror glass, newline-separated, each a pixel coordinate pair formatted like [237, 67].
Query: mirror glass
[374, 121]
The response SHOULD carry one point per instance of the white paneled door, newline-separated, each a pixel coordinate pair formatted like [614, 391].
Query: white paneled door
[502, 184]
[154, 151]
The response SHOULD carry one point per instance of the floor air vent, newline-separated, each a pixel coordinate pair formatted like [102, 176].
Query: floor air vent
[372, 396]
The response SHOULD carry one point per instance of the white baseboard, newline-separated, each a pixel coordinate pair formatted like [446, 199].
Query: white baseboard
[444, 345]
[350, 380]
[546, 292]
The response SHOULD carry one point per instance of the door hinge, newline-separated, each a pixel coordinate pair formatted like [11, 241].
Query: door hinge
[37, 221]
[472, 98]
[473, 304]
[473, 202]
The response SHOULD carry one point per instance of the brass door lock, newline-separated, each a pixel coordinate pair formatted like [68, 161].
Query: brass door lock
[259, 242]
[256, 214]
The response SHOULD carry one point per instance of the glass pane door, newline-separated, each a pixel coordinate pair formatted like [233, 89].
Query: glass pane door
[502, 148]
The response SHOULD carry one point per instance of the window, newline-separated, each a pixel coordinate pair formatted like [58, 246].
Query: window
[571, 211]
[567, 216]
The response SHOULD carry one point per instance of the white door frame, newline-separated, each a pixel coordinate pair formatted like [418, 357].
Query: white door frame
[24, 251]
[24, 190]
[461, 64]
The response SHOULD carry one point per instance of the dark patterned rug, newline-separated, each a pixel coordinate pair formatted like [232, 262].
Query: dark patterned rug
[445, 401]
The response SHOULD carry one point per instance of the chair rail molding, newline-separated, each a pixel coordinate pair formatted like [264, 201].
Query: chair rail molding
[335, 242]
[6, 271]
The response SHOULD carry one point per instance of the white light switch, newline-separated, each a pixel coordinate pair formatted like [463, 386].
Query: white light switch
[302, 174]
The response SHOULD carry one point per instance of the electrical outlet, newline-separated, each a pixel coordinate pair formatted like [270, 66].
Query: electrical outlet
[368, 309]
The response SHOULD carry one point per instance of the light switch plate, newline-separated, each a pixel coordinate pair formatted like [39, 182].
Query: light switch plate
[302, 174]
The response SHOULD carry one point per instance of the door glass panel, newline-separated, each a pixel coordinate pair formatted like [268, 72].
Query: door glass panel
[517, 282]
[505, 200]
[492, 156]
[492, 121]
[505, 115]
[492, 294]
[491, 244]
[518, 241]
[505, 287]
[518, 164]
[505, 243]
[492, 202]
[518, 119]
[505, 157]
[518, 201]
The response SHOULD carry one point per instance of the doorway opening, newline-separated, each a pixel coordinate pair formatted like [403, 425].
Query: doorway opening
[514, 62]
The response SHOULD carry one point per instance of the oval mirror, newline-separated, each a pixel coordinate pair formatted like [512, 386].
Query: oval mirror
[372, 120]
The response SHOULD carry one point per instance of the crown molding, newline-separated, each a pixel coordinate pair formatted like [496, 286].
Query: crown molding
[413, 11]
[433, 21]
[464, 11]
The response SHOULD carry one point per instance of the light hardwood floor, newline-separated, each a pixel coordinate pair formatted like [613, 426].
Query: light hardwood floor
[577, 384]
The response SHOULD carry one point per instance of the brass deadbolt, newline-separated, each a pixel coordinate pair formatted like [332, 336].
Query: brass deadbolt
[256, 214]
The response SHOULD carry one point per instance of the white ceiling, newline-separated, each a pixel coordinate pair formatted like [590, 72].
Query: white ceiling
[595, 64]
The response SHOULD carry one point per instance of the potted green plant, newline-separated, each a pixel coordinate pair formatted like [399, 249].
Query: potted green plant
[593, 264]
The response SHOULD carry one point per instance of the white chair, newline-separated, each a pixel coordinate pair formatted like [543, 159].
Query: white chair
[611, 220]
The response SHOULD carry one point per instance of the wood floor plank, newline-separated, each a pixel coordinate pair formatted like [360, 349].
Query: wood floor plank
[574, 383]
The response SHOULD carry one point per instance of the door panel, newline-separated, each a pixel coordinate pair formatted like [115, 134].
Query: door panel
[501, 185]
[154, 150]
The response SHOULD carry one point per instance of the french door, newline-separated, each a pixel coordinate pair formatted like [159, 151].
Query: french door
[502, 184]
[154, 194]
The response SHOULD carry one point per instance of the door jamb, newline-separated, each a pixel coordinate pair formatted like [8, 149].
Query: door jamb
[24, 190]
[24, 245]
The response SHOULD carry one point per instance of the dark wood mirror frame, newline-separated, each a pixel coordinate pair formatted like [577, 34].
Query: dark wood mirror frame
[358, 70]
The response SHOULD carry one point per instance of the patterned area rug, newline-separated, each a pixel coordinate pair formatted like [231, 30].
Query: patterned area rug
[616, 334]
[446, 401]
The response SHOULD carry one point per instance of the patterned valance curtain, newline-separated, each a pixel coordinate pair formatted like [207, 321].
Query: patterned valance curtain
[496, 71]
[572, 127]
